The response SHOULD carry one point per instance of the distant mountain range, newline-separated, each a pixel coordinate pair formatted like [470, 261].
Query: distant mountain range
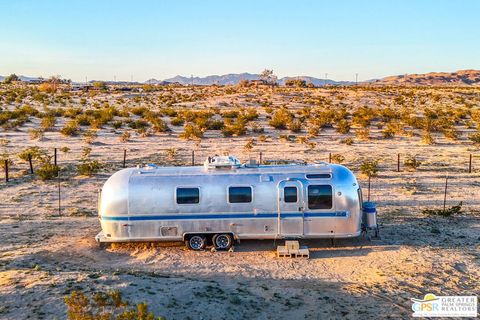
[235, 78]
[458, 78]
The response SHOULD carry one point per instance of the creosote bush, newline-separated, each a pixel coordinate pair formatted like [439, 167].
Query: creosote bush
[411, 162]
[369, 167]
[448, 212]
[191, 132]
[105, 306]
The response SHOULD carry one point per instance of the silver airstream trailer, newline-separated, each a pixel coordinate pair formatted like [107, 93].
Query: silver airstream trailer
[225, 200]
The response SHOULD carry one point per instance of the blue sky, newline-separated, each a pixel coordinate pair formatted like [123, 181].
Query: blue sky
[101, 39]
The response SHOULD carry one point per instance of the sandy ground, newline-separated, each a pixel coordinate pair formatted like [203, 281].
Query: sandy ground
[46, 254]
[43, 260]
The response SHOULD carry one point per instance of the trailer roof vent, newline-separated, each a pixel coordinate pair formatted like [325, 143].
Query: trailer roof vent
[222, 162]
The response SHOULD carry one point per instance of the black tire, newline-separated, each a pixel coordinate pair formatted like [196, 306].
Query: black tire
[222, 241]
[196, 242]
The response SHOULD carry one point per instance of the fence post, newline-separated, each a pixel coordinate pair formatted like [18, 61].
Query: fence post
[470, 164]
[59, 199]
[368, 196]
[261, 160]
[398, 162]
[193, 157]
[30, 162]
[124, 157]
[6, 170]
[55, 156]
[445, 194]
[330, 157]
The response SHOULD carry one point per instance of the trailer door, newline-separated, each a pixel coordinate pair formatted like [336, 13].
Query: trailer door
[290, 209]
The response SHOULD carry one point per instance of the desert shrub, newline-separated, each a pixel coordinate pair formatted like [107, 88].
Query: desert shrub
[343, 126]
[280, 119]
[411, 162]
[47, 87]
[362, 133]
[117, 124]
[90, 136]
[125, 136]
[427, 138]
[302, 140]
[105, 306]
[70, 129]
[72, 112]
[363, 116]
[83, 120]
[250, 114]
[369, 167]
[139, 111]
[47, 171]
[191, 132]
[448, 212]
[311, 145]
[137, 124]
[36, 153]
[256, 128]
[171, 153]
[347, 141]
[337, 158]
[230, 114]
[294, 125]
[47, 122]
[475, 137]
[313, 130]
[36, 134]
[249, 145]
[262, 138]
[237, 128]
[177, 121]
[451, 133]
[87, 166]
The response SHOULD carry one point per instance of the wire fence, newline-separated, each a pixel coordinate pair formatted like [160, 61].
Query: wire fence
[396, 186]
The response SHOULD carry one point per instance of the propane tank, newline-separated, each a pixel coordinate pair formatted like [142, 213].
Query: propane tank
[370, 214]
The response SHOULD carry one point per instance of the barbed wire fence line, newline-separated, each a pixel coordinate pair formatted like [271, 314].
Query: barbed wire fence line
[396, 185]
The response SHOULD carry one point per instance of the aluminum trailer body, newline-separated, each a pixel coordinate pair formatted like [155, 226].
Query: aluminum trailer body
[248, 202]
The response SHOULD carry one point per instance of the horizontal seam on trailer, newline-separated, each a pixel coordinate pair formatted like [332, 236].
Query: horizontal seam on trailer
[226, 216]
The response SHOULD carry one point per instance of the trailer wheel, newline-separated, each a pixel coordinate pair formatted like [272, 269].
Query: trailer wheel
[223, 241]
[196, 242]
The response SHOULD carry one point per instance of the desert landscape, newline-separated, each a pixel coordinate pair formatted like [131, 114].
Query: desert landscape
[407, 138]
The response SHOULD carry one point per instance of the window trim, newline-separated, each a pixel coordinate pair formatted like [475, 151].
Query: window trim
[296, 195]
[240, 186]
[332, 196]
[188, 187]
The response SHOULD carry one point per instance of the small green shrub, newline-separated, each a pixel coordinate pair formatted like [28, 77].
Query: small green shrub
[369, 167]
[70, 129]
[411, 162]
[337, 158]
[88, 167]
[105, 306]
[475, 137]
[448, 212]
[191, 132]
[280, 119]
[47, 171]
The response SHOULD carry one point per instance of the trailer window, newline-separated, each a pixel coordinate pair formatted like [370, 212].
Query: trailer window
[319, 176]
[239, 194]
[290, 194]
[188, 195]
[319, 197]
